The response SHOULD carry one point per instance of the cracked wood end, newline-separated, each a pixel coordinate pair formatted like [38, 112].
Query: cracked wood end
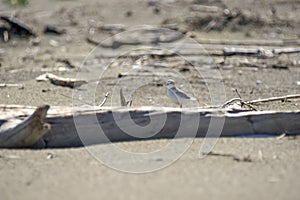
[15, 133]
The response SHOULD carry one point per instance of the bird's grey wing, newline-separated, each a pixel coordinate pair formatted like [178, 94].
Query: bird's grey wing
[181, 94]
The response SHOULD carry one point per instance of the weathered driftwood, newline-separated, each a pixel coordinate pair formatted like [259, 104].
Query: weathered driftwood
[64, 133]
[16, 133]
[61, 81]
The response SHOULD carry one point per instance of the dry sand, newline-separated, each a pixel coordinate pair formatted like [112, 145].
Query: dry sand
[272, 173]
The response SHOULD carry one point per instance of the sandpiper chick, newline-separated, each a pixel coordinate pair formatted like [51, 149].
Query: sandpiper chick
[176, 94]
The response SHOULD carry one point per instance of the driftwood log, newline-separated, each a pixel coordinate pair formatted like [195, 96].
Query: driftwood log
[64, 133]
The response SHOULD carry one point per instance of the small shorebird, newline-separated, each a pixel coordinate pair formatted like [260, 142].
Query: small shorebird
[176, 94]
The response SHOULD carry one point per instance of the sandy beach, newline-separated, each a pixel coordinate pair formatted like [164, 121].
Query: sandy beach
[271, 172]
[237, 168]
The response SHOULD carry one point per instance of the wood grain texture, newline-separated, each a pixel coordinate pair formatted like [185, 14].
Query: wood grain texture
[88, 121]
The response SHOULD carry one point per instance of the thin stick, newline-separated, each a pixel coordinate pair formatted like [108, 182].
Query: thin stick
[237, 92]
[282, 98]
[104, 100]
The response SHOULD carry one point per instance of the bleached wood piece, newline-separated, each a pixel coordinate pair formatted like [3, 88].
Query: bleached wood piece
[61, 81]
[15, 133]
[63, 132]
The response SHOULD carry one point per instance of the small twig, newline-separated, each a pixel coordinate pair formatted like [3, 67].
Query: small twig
[104, 100]
[237, 92]
[282, 98]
